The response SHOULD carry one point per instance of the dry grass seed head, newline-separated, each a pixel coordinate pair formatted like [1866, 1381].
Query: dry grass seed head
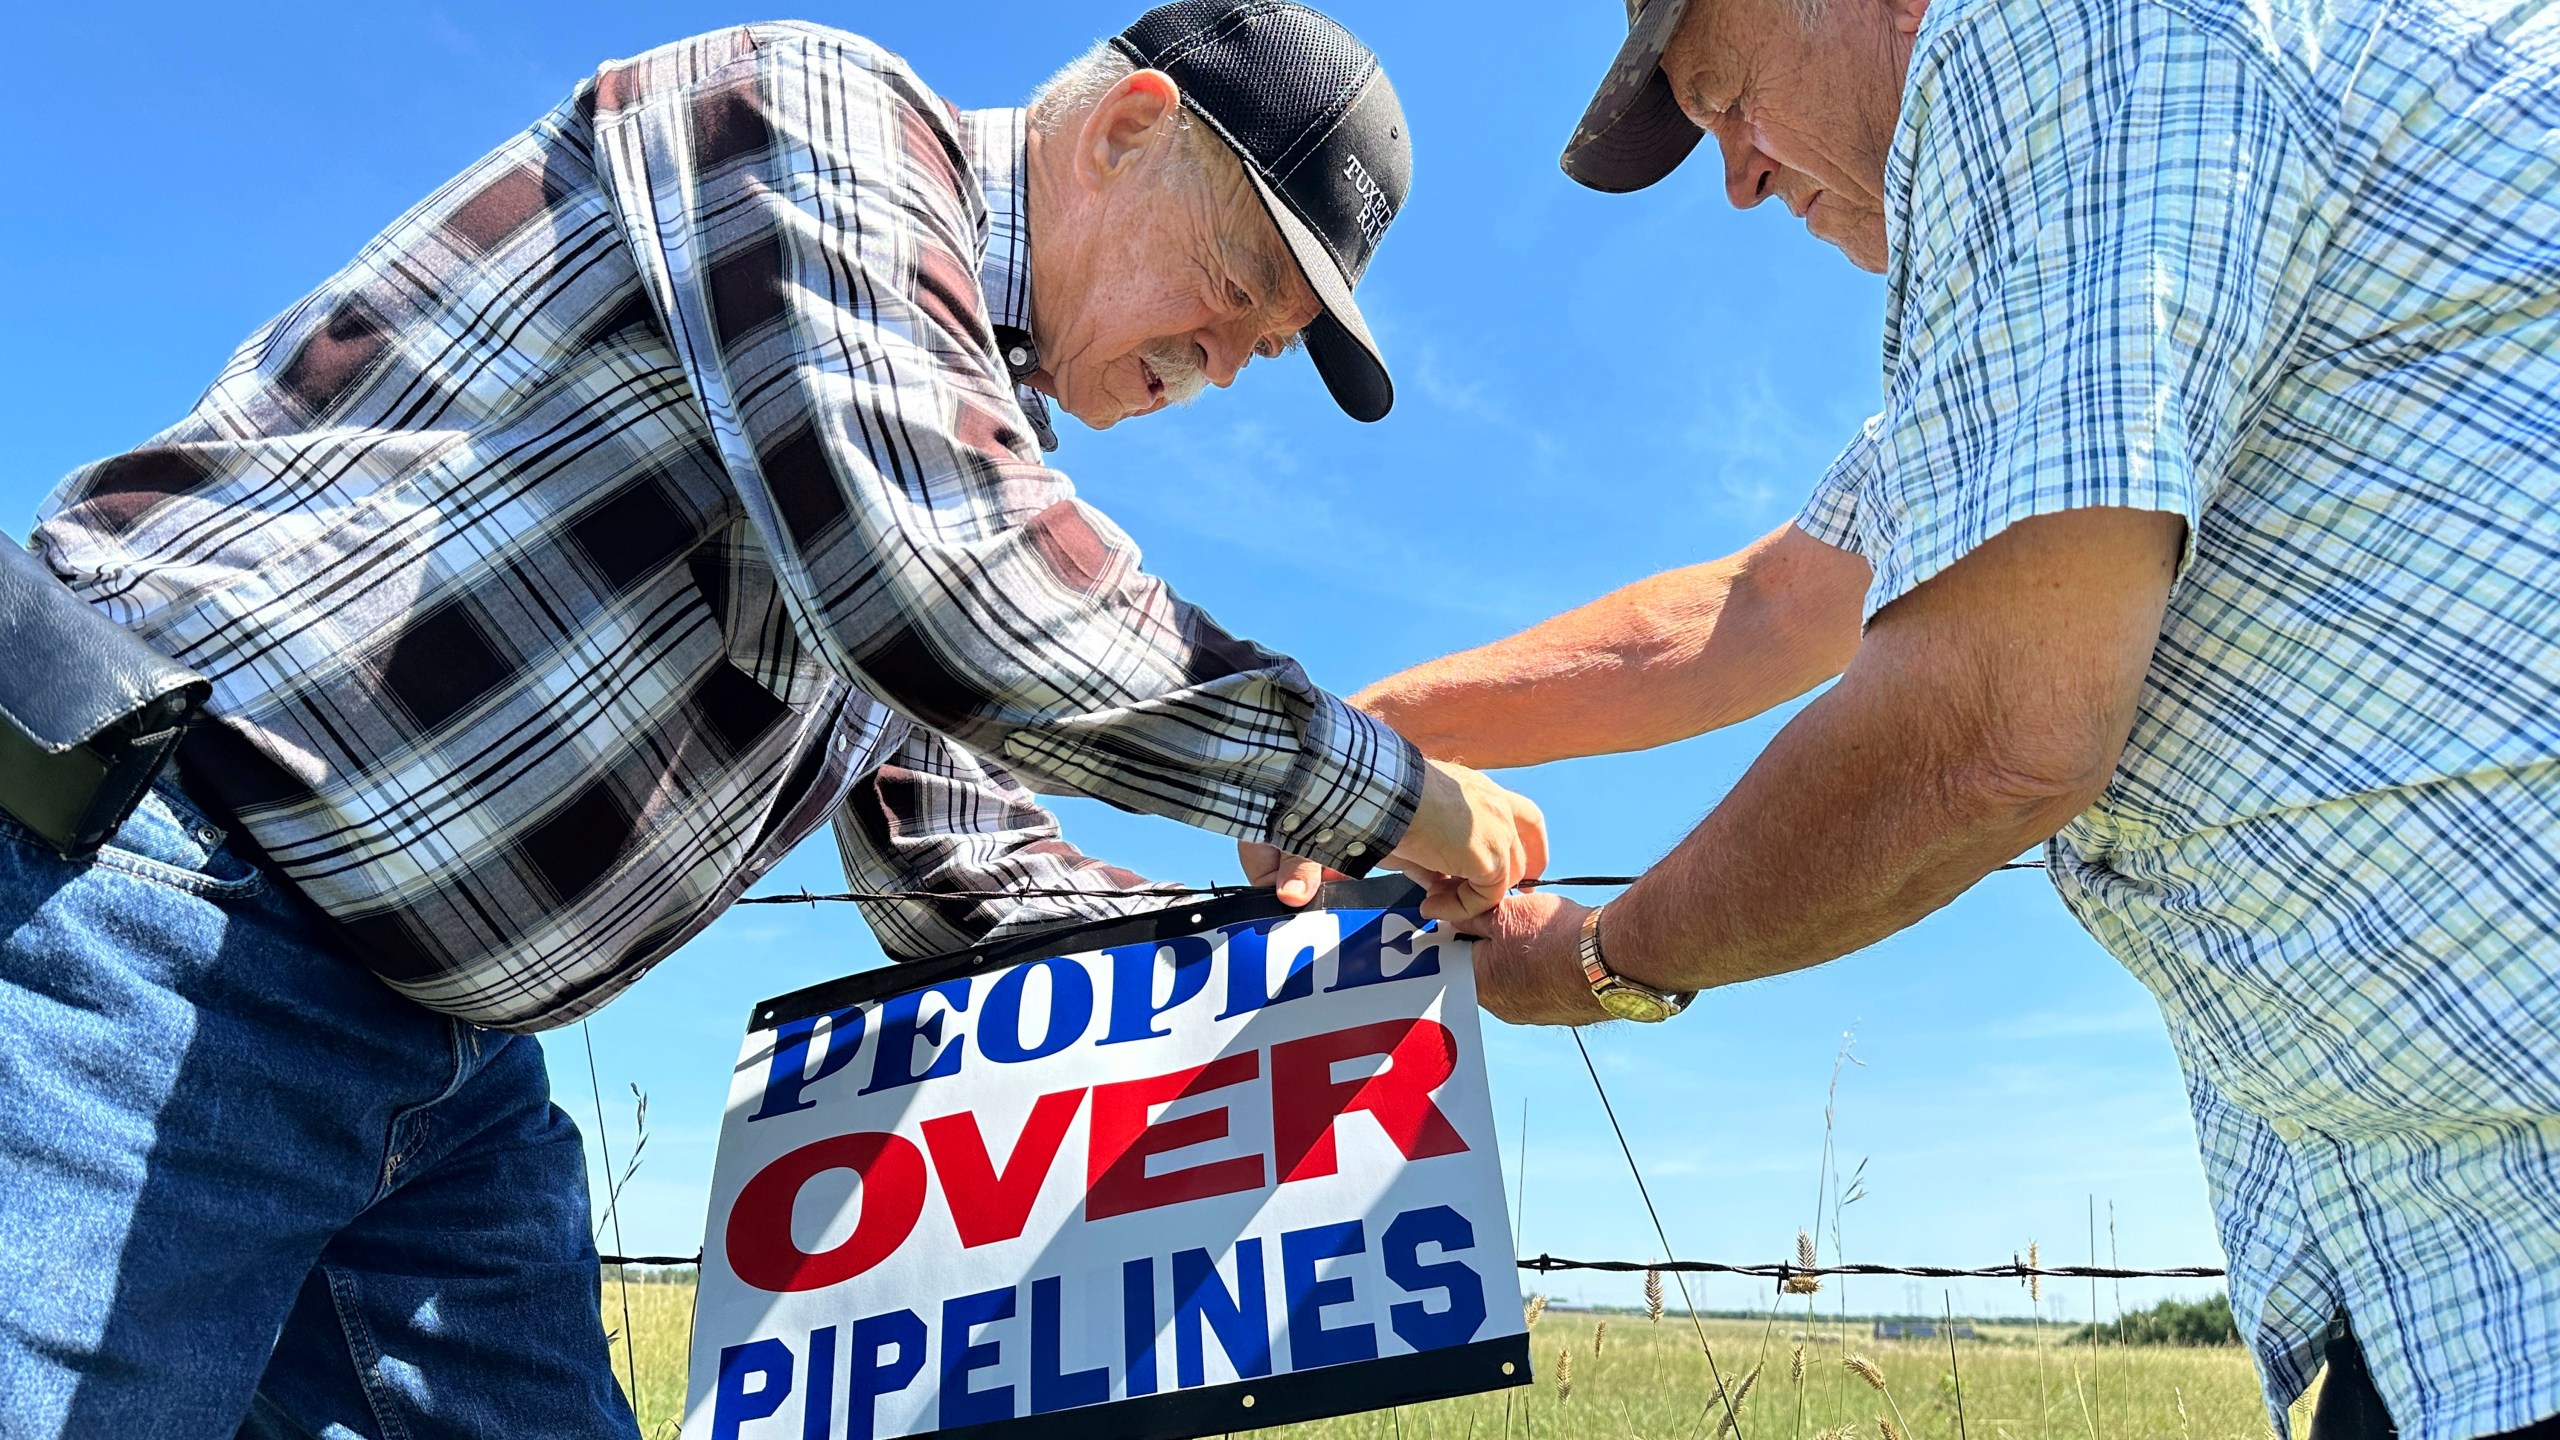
[1806, 1258]
[1599, 1338]
[2035, 1282]
[1536, 1307]
[1653, 1296]
[1838, 1432]
[1884, 1427]
[1865, 1369]
[1733, 1407]
[1564, 1373]
[1795, 1364]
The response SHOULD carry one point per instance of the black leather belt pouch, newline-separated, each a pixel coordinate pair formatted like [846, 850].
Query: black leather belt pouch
[88, 713]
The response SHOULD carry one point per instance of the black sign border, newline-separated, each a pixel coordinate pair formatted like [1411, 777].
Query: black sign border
[1475, 1368]
[1388, 892]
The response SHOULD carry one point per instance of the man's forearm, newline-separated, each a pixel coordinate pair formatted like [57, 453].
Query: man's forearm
[1666, 658]
[1815, 854]
[1975, 724]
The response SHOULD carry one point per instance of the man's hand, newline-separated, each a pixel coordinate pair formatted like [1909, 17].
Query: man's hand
[1469, 843]
[1529, 962]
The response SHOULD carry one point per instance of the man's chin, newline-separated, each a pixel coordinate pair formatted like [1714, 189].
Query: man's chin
[1098, 416]
[1864, 247]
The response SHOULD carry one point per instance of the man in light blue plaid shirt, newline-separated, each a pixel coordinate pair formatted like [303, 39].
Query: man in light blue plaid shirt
[2208, 522]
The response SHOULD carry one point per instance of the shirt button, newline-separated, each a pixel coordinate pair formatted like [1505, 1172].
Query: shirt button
[2288, 1131]
[1324, 835]
[1293, 820]
[1355, 849]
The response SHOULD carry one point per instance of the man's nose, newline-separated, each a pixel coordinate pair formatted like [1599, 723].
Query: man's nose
[1749, 176]
[1223, 356]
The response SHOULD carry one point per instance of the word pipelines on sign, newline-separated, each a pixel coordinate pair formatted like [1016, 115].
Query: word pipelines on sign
[883, 1354]
[988, 1205]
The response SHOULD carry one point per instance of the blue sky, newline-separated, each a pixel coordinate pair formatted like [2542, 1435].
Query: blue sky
[1591, 389]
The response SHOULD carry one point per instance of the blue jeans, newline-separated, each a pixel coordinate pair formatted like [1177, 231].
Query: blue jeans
[246, 1190]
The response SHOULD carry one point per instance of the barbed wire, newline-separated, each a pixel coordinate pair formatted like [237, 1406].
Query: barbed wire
[1783, 1271]
[1779, 1271]
[805, 896]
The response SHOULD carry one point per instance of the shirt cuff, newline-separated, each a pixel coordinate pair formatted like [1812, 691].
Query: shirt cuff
[1831, 515]
[1353, 793]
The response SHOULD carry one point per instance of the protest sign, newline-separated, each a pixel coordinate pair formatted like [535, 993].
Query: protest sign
[1221, 1167]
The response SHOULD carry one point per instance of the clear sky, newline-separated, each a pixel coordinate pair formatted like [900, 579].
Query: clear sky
[1590, 389]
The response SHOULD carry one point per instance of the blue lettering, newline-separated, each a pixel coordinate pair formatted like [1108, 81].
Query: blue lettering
[1249, 968]
[1051, 1388]
[960, 1404]
[767, 1362]
[789, 1073]
[1070, 1010]
[1310, 1344]
[902, 1023]
[1364, 948]
[1138, 1323]
[1419, 1326]
[817, 1416]
[1242, 1320]
[873, 1376]
[1134, 1010]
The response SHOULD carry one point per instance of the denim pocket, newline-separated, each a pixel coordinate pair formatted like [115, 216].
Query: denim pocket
[168, 842]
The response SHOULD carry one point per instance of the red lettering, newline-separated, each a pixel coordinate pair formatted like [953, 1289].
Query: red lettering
[986, 1206]
[1121, 1140]
[1306, 1099]
[761, 1250]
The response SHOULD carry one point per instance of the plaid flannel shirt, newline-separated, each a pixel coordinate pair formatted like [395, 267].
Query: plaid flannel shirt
[2291, 271]
[653, 493]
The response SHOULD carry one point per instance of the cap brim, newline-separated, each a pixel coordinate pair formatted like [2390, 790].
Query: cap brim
[1634, 132]
[1337, 340]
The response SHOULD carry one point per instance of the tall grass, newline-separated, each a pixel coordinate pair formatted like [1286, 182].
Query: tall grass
[1650, 1383]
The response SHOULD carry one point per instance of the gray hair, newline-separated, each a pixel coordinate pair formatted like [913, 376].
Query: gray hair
[1064, 99]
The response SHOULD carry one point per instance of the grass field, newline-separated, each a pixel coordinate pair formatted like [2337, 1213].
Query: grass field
[1649, 1382]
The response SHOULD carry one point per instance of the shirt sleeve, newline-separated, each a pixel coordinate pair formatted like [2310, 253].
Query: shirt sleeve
[1831, 515]
[811, 228]
[935, 819]
[2107, 242]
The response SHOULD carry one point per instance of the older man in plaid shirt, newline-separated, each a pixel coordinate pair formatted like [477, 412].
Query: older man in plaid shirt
[2208, 522]
[664, 488]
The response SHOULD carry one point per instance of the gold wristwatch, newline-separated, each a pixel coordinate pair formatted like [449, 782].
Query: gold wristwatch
[1623, 998]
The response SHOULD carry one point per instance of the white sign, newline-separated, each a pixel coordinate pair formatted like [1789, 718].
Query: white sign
[1220, 1168]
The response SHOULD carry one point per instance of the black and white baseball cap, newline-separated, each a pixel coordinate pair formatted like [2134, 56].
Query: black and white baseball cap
[1309, 112]
[1635, 132]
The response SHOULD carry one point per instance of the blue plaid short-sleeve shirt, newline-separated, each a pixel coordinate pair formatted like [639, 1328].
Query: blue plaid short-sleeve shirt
[2290, 270]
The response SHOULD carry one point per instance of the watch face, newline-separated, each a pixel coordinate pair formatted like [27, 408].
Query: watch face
[1625, 1004]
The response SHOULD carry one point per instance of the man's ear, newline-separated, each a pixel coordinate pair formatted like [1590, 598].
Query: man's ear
[1907, 15]
[1118, 132]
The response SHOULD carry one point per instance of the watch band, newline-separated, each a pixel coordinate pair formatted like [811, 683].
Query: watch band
[1623, 998]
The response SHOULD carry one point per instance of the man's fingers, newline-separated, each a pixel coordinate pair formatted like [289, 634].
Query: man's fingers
[1460, 901]
[1294, 879]
[1298, 880]
[1258, 861]
[1531, 823]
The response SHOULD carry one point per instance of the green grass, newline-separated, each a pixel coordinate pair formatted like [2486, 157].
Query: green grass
[1649, 1382]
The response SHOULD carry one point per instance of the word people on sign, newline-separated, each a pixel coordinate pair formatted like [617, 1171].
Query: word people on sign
[1147, 1185]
